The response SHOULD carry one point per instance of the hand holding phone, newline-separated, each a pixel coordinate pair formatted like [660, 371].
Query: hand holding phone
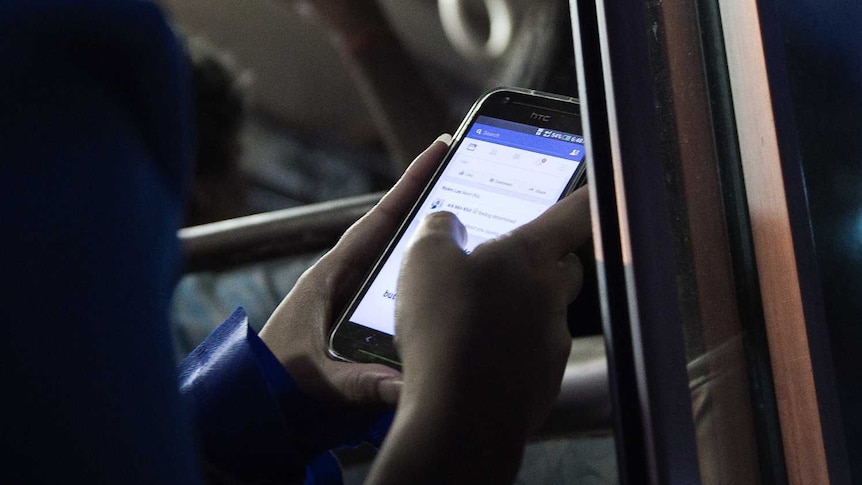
[502, 362]
[484, 341]
[298, 331]
[516, 154]
[494, 319]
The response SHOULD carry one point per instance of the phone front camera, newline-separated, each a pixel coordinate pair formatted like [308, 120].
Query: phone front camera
[507, 100]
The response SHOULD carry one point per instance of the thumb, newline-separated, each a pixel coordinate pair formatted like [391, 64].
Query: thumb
[438, 231]
[366, 384]
[432, 252]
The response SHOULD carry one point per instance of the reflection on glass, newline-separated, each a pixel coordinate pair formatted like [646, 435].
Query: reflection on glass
[731, 394]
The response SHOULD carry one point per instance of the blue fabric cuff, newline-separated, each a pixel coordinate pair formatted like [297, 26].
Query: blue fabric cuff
[242, 428]
[254, 421]
[321, 427]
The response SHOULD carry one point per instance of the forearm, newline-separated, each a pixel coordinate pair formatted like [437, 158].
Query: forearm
[434, 442]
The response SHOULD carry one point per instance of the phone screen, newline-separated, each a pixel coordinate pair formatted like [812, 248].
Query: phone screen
[502, 175]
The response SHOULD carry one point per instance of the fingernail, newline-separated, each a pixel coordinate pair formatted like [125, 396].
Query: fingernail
[389, 390]
[445, 138]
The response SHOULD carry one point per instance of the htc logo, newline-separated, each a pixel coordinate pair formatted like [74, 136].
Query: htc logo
[539, 116]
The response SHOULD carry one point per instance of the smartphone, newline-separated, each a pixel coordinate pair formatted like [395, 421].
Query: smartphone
[516, 153]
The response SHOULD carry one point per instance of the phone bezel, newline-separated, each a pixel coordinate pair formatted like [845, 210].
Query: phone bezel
[354, 342]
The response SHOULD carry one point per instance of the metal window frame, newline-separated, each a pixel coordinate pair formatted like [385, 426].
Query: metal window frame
[653, 422]
[642, 322]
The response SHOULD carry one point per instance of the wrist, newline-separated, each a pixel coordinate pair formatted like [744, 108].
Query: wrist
[432, 441]
[472, 388]
[466, 407]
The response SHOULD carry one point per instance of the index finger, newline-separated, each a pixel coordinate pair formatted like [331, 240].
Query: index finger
[363, 241]
[560, 230]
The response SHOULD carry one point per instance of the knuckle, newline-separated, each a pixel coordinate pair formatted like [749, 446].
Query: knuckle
[577, 265]
[358, 389]
[525, 248]
[573, 275]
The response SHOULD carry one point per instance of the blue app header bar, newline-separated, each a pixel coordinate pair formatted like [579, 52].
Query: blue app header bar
[526, 137]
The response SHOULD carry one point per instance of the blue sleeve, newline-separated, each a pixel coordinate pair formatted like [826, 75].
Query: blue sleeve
[255, 424]
[95, 138]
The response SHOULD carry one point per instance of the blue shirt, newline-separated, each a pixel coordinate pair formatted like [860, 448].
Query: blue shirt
[95, 143]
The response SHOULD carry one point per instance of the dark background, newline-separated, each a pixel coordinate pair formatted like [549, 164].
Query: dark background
[824, 55]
